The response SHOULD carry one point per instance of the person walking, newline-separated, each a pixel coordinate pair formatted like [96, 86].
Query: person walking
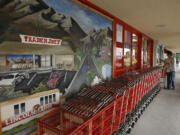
[173, 70]
[167, 66]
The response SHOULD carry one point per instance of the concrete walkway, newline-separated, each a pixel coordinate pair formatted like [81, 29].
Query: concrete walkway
[162, 117]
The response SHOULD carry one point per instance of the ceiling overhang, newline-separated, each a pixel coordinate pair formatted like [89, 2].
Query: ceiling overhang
[158, 19]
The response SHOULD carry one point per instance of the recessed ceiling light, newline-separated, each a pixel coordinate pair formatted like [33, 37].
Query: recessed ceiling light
[161, 25]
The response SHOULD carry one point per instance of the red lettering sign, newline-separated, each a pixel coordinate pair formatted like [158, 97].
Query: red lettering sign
[39, 40]
[25, 115]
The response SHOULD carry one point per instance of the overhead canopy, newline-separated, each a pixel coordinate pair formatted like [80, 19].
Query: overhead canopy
[9, 47]
[158, 19]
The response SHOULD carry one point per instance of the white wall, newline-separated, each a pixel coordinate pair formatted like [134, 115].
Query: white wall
[64, 61]
[7, 111]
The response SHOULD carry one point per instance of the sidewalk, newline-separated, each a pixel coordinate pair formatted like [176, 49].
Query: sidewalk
[162, 117]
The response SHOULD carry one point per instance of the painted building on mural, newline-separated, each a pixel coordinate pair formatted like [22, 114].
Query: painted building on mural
[34, 56]
[24, 109]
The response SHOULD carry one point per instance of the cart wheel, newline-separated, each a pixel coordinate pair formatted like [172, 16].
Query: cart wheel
[133, 124]
[128, 131]
[136, 119]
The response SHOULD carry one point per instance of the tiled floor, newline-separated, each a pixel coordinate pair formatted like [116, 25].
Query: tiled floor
[162, 117]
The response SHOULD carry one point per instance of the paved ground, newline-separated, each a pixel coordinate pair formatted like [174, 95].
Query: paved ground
[162, 117]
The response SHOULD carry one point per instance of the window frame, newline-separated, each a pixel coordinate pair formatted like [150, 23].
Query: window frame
[22, 111]
[17, 109]
[54, 97]
[43, 101]
[50, 99]
[148, 52]
[46, 100]
[137, 49]
[126, 69]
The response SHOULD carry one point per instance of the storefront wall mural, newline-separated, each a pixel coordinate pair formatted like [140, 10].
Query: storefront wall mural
[48, 44]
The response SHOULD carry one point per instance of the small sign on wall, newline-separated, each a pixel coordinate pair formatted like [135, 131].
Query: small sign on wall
[119, 33]
[119, 56]
[119, 52]
[39, 40]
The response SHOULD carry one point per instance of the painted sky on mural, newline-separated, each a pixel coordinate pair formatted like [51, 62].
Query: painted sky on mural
[86, 18]
[21, 56]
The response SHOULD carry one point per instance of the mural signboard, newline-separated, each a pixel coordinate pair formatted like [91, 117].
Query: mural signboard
[48, 44]
[39, 40]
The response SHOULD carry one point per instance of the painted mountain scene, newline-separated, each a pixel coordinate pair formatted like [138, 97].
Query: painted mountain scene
[83, 58]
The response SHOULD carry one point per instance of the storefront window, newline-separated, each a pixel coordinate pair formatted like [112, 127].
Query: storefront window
[134, 49]
[127, 55]
[45, 61]
[145, 52]
[149, 54]
[22, 61]
[28, 59]
[127, 48]
[127, 37]
[159, 54]
[14, 59]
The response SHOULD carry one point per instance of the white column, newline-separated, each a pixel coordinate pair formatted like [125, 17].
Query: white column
[54, 61]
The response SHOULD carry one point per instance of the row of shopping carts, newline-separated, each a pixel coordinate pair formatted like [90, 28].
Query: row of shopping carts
[111, 107]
